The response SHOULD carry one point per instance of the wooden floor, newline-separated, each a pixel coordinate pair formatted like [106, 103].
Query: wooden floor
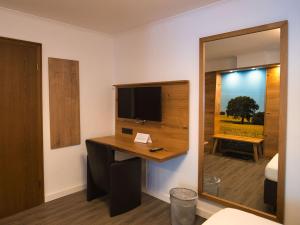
[74, 210]
[242, 181]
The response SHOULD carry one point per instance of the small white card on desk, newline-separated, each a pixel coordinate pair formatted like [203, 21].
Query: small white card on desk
[143, 138]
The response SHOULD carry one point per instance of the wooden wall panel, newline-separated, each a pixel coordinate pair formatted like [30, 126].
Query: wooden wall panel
[174, 127]
[218, 103]
[210, 107]
[64, 102]
[271, 126]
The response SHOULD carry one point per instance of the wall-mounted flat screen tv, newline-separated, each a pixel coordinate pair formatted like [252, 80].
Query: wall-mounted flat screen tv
[141, 103]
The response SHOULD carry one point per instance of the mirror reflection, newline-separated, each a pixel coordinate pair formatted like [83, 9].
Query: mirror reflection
[242, 89]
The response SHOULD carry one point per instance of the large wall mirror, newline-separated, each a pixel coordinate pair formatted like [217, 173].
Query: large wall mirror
[243, 93]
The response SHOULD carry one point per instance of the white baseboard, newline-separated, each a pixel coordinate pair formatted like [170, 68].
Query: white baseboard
[201, 211]
[160, 196]
[65, 192]
[204, 213]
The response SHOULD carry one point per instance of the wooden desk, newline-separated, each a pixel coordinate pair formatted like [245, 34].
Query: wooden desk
[119, 172]
[124, 144]
[256, 142]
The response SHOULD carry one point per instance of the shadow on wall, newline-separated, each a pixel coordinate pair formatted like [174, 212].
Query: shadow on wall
[83, 165]
[162, 176]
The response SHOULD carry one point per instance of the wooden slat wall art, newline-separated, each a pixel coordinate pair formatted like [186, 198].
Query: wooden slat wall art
[174, 127]
[64, 102]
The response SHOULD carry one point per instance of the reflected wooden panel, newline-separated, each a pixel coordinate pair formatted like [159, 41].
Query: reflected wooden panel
[271, 131]
[210, 98]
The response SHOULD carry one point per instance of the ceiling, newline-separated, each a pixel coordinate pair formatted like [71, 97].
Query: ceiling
[250, 43]
[108, 16]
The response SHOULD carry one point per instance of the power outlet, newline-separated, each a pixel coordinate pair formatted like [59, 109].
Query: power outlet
[127, 130]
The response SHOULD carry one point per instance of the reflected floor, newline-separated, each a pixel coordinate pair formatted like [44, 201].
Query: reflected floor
[242, 181]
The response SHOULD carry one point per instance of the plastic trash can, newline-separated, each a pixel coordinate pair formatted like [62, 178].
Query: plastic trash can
[183, 206]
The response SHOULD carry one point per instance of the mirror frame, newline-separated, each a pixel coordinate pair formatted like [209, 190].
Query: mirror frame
[283, 25]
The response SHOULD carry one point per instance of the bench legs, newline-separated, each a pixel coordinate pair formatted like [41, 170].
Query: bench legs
[216, 141]
[257, 149]
[261, 150]
[255, 152]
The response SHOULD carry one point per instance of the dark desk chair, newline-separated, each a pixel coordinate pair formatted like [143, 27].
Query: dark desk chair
[121, 180]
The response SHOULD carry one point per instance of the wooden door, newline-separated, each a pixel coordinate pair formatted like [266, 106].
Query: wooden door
[271, 126]
[21, 146]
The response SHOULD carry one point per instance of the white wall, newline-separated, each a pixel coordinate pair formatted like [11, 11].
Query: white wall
[169, 50]
[65, 168]
[258, 58]
[220, 64]
[243, 60]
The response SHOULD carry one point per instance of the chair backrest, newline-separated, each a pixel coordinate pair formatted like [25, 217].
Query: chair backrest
[100, 157]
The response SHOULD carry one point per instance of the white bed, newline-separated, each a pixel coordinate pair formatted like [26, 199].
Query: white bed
[231, 216]
[271, 170]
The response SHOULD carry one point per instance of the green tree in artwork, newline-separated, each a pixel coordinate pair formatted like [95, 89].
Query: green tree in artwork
[243, 107]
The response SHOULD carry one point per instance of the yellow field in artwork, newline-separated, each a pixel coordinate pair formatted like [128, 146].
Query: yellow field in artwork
[229, 125]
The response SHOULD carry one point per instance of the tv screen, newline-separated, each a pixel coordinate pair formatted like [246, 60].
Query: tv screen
[148, 103]
[126, 103]
[143, 103]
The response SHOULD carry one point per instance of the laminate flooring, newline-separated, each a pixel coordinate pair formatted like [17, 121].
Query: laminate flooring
[242, 181]
[75, 210]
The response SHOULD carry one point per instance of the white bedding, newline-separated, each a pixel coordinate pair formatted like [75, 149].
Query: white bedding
[271, 170]
[230, 216]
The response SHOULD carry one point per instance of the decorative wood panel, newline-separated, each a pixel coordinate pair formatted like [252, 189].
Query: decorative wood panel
[271, 126]
[174, 127]
[218, 103]
[209, 118]
[212, 108]
[64, 102]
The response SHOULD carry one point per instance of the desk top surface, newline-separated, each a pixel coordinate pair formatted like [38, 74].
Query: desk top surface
[127, 145]
[239, 138]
